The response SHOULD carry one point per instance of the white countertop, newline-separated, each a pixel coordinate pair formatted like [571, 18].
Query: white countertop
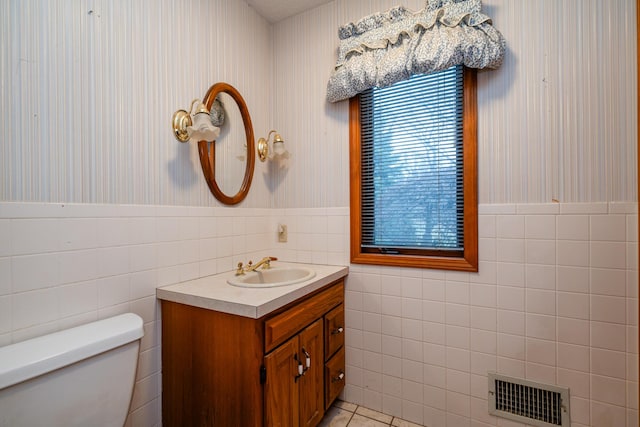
[214, 293]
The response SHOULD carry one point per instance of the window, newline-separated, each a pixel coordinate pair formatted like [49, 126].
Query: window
[413, 173]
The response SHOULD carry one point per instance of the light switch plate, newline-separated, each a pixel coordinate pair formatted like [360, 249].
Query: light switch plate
[283, 235]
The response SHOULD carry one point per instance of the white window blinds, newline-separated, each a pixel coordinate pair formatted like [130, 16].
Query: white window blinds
[412, 165]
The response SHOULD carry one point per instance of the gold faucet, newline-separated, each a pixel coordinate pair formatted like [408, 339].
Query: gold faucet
[264, 262]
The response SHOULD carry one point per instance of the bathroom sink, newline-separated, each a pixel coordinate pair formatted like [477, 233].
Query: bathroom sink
[274, 276]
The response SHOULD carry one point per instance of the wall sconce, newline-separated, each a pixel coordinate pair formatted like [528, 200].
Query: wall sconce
[196, 127]
[278, 147]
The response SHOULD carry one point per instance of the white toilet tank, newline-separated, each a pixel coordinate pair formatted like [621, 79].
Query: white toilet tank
[82, 376]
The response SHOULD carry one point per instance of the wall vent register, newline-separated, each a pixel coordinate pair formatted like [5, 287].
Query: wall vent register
[528, 402]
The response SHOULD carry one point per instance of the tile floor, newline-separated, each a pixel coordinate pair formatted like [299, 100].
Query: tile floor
[344, 414]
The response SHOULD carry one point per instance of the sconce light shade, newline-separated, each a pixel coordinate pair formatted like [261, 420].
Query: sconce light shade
[279, 150]
[203, 129]
[197, 127]
[278, 147]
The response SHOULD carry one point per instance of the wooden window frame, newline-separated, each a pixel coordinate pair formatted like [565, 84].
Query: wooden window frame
[469, 259]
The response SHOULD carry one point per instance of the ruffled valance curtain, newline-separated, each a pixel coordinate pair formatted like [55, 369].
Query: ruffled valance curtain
[384, 48]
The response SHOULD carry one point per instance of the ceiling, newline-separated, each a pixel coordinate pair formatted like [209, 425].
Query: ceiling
[277, 10]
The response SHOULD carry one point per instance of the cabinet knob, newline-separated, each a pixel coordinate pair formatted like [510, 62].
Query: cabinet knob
[340, 377]
[337, 331]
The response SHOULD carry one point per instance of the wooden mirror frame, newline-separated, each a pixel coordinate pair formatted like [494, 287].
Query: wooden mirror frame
[207, 150]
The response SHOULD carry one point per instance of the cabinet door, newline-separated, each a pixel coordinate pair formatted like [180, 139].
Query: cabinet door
[311, 383]
[281, 388]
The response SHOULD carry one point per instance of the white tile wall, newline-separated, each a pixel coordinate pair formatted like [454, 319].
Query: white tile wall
[553, 305]
[87, 268]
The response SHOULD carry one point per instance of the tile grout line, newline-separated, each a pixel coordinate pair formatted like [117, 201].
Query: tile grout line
[355, 411]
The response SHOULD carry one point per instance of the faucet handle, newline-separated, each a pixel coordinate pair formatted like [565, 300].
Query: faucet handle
[240, 270]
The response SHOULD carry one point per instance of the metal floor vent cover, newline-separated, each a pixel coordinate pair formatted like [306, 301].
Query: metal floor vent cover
[528, 402]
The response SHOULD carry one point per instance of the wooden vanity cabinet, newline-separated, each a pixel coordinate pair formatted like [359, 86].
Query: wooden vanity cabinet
[220, 369]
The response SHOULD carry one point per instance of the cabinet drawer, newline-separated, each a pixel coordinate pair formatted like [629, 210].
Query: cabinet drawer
[286, 324]
[333, 331]
[334, 379]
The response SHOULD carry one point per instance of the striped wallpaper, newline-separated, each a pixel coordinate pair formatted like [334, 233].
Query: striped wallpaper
[557, 121]
[88, 89]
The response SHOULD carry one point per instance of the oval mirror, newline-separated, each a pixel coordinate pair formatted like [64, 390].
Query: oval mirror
[230, 146]
[228, 162]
